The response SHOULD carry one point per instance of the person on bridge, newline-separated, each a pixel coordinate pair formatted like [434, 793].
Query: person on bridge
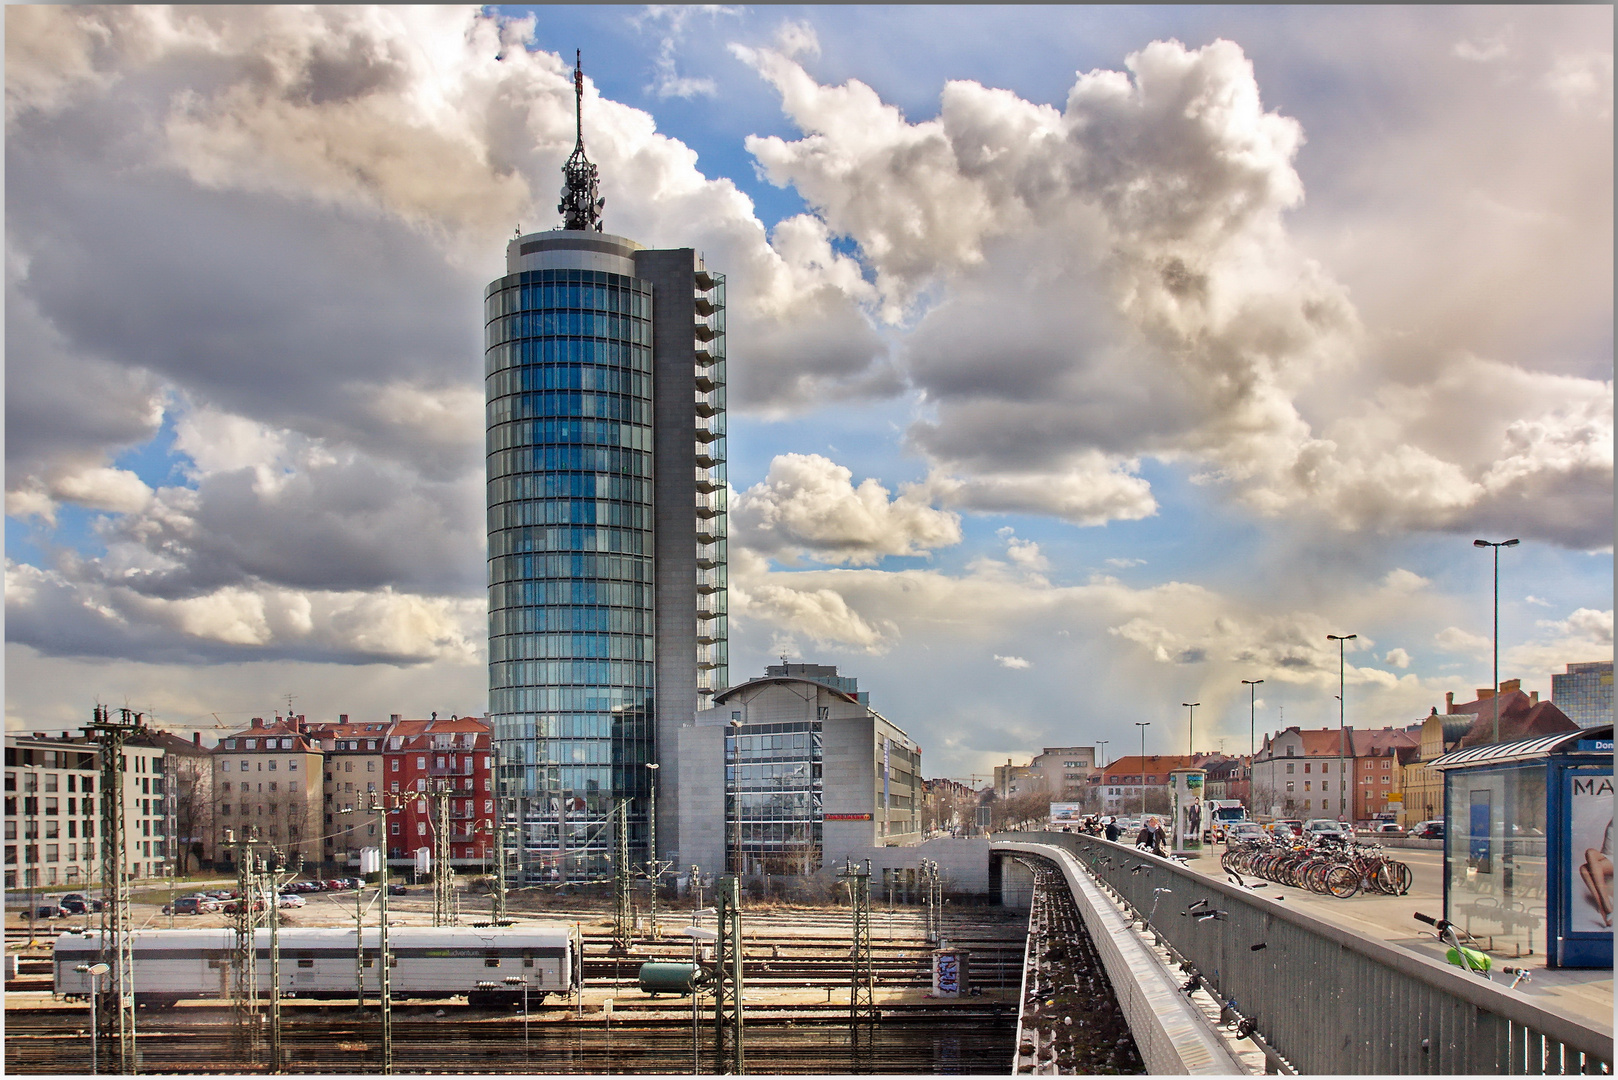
[1151, 836]
[1112, 829]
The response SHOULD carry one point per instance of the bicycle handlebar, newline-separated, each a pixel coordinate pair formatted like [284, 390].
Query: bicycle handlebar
[1438, 924]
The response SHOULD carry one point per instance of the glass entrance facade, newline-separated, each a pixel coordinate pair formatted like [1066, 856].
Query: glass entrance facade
[570, 525]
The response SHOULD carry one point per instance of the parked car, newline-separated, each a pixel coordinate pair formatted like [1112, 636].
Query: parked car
[1326, 829]
[292, 900]
[1284, 825]
[1429, 830]
[398, 890]
[1389, 828]
[77, 904]
[231, 907]
[1243, 832]
[48, 911]
[200, 904]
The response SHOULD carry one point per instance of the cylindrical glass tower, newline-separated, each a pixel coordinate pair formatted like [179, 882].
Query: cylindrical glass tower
[568, 353]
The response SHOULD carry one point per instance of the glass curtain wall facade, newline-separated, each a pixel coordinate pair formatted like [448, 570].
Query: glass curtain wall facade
[773, 791]
[571, 548]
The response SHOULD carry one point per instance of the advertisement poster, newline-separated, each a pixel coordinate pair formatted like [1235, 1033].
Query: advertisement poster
[1590, 851]
[1066, 813]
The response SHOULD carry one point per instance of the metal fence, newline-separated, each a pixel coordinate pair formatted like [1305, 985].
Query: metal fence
[1329, 1000]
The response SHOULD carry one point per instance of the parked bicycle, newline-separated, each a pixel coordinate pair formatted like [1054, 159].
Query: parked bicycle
[1325, 866]
[1463, 955]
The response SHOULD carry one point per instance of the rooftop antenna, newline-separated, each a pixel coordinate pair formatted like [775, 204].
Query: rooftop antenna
[581, 203]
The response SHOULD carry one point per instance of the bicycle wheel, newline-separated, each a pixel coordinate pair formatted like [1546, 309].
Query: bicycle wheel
[1343, 881]
[1406, 878]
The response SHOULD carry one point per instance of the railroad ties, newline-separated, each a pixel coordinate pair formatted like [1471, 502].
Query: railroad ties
[1071, 1021]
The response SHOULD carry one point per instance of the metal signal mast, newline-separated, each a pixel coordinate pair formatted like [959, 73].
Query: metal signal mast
[117, 943]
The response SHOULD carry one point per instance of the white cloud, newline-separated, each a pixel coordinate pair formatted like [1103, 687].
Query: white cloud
[1137, 242]
[1398, 658]
[1125, 563]
[1015, 663]
[808, 506]
[1400, 580]
[1454, 639]
[1583, 82]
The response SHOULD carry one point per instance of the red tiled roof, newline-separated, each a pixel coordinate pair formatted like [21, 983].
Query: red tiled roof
[1527, 722]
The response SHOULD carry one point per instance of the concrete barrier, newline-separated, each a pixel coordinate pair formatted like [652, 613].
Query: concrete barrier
[1173, 1036]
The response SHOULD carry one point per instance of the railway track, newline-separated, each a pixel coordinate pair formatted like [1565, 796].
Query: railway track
[920, 1039]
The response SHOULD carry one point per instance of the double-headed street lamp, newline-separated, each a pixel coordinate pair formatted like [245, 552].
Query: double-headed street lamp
[1143, 725]
[1342, 735]
[1497, 547]
[1191, 730]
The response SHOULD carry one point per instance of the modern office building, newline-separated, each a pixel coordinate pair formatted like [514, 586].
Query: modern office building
[790, 773]
[605, 378]
[1584, 693]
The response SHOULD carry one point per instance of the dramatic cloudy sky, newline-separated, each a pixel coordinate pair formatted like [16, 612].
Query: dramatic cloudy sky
[1085, 361]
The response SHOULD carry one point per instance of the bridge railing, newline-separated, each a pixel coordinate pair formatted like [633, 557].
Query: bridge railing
[1330, 1000]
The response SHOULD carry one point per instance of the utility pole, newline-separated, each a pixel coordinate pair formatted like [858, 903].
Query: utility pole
[117, 941]
[622, 929]
[731, 1057]
[245, 1015]
[499, 840]
[443, 871]
[861, 1003]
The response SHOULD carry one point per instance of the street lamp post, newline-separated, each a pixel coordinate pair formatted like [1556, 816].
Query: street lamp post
[95, 971]
[1342, 731]
[1191, 730]
[1143, 725]
[1102, 763]
[652, 866]
[1496, 546]
[1252, 736]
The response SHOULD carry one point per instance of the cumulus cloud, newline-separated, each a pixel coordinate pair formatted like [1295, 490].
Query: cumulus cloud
[59, 616]
[1137, 242]
[1015, 663]
[1454, 639]
[808, 506]
[1398, 658]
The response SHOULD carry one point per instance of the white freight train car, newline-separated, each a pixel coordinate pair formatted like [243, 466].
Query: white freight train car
[428, 962]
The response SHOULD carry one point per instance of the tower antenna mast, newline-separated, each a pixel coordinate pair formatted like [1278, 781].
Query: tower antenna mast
[581, 203]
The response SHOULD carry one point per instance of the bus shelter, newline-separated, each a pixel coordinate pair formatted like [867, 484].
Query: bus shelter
[1528, 845]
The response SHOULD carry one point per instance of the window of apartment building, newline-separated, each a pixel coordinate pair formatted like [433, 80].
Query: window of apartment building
[72, 830]
[247, 766]
[370, 766]
[395, 765]
[272, 764]
[393, 827]
[52, 806]
[1325, 785]
[50, 781]
[348, 766]
[250, 744]
[421, 761]
[1290, 752]
[1306, 766]
[394, 787]
[1290, 786]
[1308, 785]
[292, 787]
[292, 764]
[224, 766]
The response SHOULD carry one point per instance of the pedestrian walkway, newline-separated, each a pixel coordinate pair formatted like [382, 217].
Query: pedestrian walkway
[1582, 992]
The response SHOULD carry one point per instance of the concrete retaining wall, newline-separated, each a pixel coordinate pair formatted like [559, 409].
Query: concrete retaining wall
[1173, 1036]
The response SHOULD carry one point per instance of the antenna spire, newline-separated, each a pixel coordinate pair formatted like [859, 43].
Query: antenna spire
[581, 203]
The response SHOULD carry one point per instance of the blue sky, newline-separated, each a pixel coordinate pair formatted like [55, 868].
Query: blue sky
[1084, 360]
